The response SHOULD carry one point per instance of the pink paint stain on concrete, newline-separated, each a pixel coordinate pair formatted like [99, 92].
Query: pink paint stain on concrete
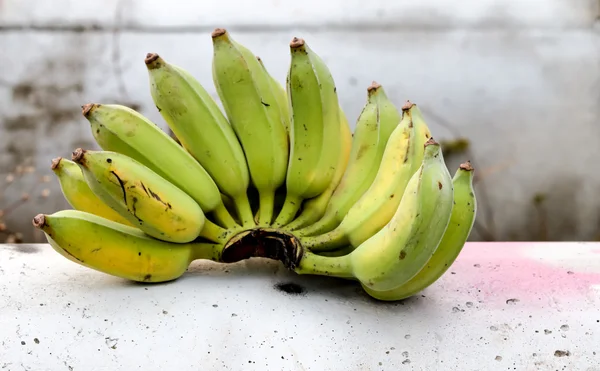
[504, 271]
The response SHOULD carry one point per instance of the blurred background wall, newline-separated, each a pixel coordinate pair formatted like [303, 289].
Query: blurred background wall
[512, 85]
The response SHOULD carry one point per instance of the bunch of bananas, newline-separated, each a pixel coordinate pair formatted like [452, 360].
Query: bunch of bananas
[276, 174]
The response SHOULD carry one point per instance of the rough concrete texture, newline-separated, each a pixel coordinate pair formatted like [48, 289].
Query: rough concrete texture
[519, 79]
[519, 306]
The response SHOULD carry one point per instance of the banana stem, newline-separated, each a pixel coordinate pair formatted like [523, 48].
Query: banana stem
[288, 211]
[323, 225]
[267, 204]
[206, 251]
[339, 266]
[325, 242]
[242, 204]
[223, 217]
[307, 217]
[214, 233]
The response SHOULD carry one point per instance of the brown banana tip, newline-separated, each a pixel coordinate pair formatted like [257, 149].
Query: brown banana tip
[431, 142]
[296, 42]
[218, 32]
[55, 163]
[374, 86]
[407, 105]
[151, 57]
[39, 221]
[258, 58]
[77, 154]
[466, 166]
[87, 108]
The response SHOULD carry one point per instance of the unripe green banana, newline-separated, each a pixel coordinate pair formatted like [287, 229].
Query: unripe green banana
[457, 233]
[377, 205]
[396, 253]
[281, 96]
[147, 200]
[314, 208]
[120, 129]
[77, 192]
[249, 101]
[375, 124]
[119, 250]
[314, 129]
[421, 133]
[194, 117]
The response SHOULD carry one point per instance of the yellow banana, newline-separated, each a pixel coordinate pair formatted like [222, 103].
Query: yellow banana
[457, 233]
[120, 129]
[314, 208]
[314, 129]
[77, 192]
[147, 200]
[377, 205]
[396, 253]
[375, 124]
[194, 117]
[251, 106]
[119, 250]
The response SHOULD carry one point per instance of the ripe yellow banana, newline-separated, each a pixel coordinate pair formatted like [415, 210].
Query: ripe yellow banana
[314, 129]
[147, 200]
[120, 129]
[251, 106]
[457, 233]
[377, 205]
[201, 127]
[314, 208]
[375, 124]
[119, 250]
[77, 192]
[396, 253]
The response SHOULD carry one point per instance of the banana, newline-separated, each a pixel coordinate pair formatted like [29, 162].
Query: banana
[314, 129]
[119, 250]
[377, 205]
[375, 124]
[143, 197]
[314, 208]
[251, 106]
[396, 253]
[421, 131]
[457, 233]
[78, 194]
[201, 127]
[280, 96]
[120, 129]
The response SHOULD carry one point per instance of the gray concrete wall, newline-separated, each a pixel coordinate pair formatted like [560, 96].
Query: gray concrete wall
[519, 78]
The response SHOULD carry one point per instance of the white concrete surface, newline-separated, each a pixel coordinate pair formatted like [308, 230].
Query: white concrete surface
[499, 307]
[519, 78]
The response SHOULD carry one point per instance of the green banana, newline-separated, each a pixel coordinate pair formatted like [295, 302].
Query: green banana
[119, 250]
[457, 233]
[314, 129]
[77, 192]
[421, 133]
[377, 205]
[375, 124]
[251, 106]
[120, 129]
[314, 208]
[201, 127]
[147, 200]
[396, 253]
[280, 96]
